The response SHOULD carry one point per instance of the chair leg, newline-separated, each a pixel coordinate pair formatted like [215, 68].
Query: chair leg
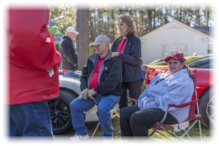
[152, 133]
[95, 129]
[165, 135]
[187, 131]
[200, 129]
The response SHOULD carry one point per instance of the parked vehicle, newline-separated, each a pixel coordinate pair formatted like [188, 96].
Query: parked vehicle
[60, 108]
[204, 85]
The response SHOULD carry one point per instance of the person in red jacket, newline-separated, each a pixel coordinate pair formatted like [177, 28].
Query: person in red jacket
[33, 72]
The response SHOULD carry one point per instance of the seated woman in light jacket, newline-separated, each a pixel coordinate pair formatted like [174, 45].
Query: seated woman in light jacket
[173, 87]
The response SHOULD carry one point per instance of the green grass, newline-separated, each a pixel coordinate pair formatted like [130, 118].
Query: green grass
[206, 132]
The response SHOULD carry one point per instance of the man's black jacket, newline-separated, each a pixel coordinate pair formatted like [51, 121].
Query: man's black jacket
[109, 76]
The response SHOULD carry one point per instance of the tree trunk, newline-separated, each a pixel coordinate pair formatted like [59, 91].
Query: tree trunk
[197, 18]
[207, 15]
[149, 11]
[83, 38]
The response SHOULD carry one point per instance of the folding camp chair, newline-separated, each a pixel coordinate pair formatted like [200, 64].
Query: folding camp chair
[184, 127]
[114, 113]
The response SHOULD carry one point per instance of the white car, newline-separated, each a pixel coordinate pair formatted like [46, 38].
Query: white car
[60, 110]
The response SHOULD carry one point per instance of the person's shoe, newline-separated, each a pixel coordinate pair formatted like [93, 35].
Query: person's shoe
[79, 137]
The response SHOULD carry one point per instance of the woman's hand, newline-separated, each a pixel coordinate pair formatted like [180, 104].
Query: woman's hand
[115, 54]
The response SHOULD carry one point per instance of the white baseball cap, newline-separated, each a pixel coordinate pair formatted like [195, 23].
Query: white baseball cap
[71, 29]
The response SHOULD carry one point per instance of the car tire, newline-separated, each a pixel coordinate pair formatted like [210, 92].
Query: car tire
[205, 108]
[60, 112]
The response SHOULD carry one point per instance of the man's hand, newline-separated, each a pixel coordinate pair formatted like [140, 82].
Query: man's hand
[84, 93]
[91, 93]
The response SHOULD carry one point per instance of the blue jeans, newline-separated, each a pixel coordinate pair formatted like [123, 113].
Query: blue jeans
[30, 119]
[105, 103]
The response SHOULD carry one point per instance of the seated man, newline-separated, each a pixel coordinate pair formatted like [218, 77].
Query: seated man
[172, 87]
[100, 85]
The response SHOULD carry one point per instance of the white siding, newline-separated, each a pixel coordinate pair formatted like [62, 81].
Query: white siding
[171, 37]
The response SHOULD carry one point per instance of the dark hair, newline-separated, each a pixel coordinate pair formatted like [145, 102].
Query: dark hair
[128, 21]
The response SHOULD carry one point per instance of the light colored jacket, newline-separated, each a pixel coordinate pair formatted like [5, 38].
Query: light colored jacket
[167, 89]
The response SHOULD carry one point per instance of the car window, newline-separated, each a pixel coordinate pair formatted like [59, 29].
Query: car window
[203, 62]
[207, 65]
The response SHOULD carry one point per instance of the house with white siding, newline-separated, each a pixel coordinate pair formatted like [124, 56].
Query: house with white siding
[174, 36]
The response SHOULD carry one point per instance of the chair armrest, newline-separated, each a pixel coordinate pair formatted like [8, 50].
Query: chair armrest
[182, 105]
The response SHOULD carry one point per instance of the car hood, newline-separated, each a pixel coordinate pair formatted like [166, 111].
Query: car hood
[70, 83]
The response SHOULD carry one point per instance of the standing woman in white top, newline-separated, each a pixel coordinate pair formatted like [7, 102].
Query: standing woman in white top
[173, 87]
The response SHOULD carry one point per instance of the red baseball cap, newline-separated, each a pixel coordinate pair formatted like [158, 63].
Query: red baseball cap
[176, 55]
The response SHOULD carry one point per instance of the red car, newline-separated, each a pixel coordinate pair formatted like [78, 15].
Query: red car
[204, 84]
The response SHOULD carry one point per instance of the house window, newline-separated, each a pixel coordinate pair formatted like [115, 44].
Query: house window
[170, 48]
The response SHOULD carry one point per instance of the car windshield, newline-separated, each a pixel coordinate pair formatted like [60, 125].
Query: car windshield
[203, 62]
[158, 62]
[162, 62]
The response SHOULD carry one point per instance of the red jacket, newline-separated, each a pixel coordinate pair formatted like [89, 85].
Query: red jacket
[31, 55]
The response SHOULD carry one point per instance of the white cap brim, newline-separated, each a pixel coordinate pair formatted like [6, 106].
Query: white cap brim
[95, 44]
